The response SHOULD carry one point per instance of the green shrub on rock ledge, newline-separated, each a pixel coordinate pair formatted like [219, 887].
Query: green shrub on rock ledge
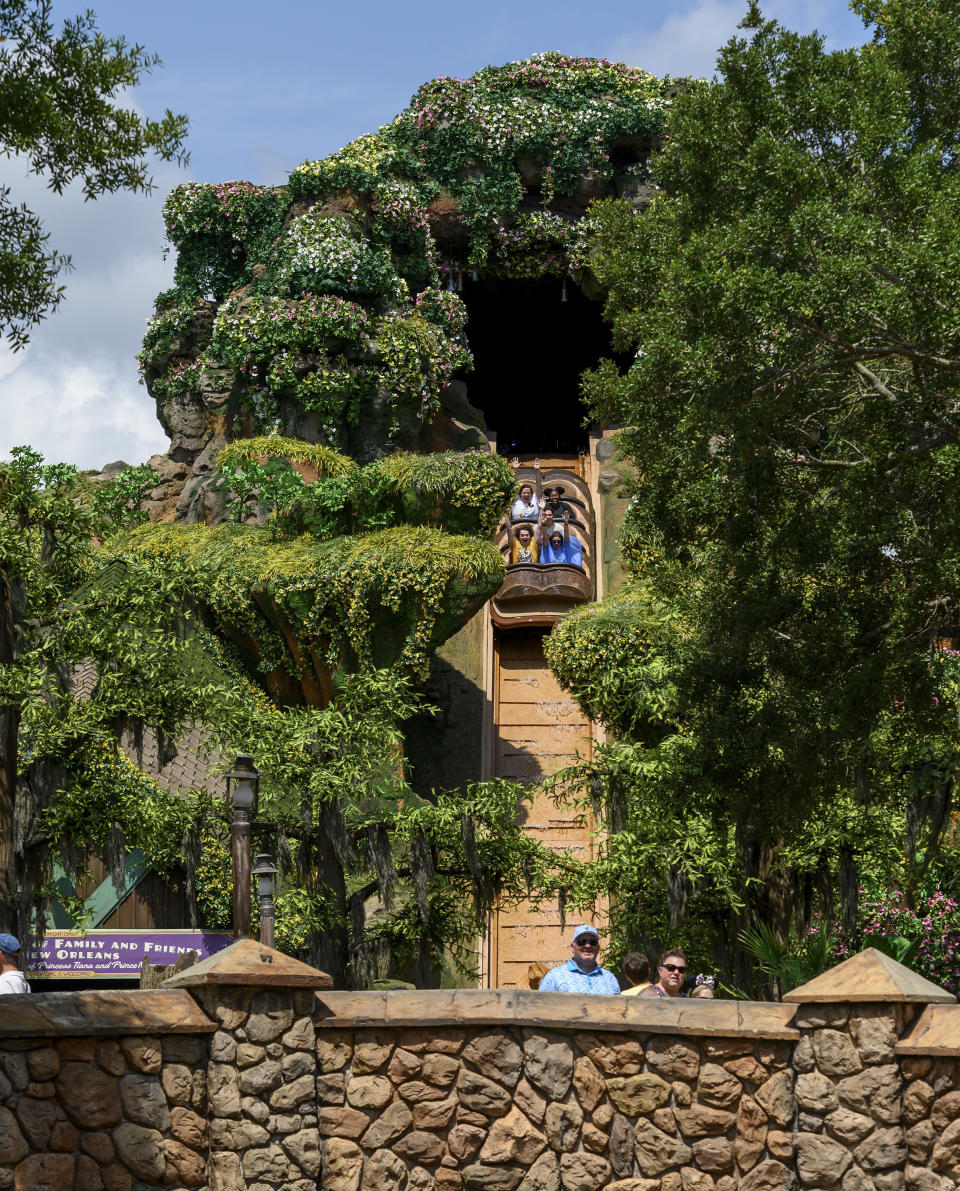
[461, 492]
[326, 461]
[299, 609]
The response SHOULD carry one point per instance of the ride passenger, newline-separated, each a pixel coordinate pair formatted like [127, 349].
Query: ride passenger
[523, 547]
[530, 500]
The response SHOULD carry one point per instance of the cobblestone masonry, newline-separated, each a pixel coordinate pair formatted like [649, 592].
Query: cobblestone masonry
[289, 1089]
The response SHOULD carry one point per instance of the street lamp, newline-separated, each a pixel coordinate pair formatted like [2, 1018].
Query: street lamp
[242, 783]
[265, 872]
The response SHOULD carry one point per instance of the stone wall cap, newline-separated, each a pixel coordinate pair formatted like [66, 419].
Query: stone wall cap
[556, 1011]
[868, 977]
[101, 1012]
[247, 962]
[935, 1032]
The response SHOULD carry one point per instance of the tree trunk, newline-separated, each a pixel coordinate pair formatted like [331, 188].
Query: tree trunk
[9, 731]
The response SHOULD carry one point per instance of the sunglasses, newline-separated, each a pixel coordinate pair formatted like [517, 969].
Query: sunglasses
[674, 968]
[587, 941]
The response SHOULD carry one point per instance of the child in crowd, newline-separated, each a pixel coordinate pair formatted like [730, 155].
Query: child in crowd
[636, 968]
[704, 987]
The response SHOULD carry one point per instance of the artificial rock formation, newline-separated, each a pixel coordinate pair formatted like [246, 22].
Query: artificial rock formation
[329, 310]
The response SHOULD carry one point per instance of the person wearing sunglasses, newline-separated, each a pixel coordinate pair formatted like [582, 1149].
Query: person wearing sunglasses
[581, 973]
[671, 973]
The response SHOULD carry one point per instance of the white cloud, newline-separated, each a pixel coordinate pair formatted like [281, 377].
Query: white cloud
[74, 394]
[687, 41]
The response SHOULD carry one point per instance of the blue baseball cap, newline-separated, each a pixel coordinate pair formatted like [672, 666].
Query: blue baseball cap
[9, 944]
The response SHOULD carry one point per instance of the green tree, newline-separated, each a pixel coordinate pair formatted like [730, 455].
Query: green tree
[61, 612]
[59, 114]
[792, 408]
[114, 630]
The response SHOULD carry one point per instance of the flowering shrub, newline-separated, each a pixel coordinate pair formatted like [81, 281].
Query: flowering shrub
[175, 330]
[361, 166]
[263, 325]
[332, 256]
[470, 136]
[538, 244]
[403, 225]
[416, 362]
[183, 376]
[935, 923]
[444, 309]
[217, 229]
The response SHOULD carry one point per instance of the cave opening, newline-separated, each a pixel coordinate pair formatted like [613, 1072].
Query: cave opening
[531, 340]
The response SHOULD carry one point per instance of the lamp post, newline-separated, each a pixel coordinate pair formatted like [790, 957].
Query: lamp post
[242, 782]
[265, 872]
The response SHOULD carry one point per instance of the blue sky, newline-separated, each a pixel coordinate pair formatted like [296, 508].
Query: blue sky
[265, 86]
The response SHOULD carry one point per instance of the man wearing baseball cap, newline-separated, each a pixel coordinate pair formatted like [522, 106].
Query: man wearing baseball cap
[11, 978]
[581, 973]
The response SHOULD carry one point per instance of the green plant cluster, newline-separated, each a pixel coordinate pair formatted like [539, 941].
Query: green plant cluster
[294, 450]
[461, 492]
[380, 599]
[470, 138]
[538, 244]
[220, 231]
[607, 654]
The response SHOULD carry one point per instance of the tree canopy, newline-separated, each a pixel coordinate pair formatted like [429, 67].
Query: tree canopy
[791, 407]
[60, 115]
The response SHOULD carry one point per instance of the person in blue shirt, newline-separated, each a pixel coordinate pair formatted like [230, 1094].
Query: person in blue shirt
[581, 973]
[561, 546]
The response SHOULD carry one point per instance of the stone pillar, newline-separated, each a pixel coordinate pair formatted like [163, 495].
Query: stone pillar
[931, 1107]
[261, 1090]
[262, 1067]
[850, 1088]
[849, 1093]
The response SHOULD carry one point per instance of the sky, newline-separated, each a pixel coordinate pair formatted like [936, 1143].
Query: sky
[267, 86]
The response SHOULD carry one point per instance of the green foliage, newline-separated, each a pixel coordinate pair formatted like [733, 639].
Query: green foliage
[379, 599]
[466, 138]
[220, 231]
[119, 500]
[106, 791]
[462, 492]
[326, 462]
[332, 256]
[791, 963]
[272, 486]
[612, 656]
[59, 109]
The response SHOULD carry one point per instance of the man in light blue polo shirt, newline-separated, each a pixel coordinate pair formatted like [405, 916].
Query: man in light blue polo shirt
[581, 973]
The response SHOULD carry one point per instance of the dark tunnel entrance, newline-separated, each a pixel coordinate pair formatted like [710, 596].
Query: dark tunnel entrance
[529, 348]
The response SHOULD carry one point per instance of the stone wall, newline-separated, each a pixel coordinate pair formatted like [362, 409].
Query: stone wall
[92, 1112]
[260, 1087]
[498, 1109]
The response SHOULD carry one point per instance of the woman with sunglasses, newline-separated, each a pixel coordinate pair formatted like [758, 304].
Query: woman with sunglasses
[671, 973]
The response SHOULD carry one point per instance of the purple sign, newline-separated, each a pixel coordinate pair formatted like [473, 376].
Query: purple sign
[106, 953]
